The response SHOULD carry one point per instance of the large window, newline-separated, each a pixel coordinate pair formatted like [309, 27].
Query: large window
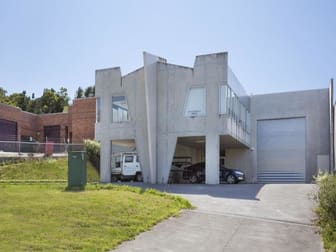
[195, 105]
[98, 109]
[119, 109]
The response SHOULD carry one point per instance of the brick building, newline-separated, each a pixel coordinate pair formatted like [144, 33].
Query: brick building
[73, 126]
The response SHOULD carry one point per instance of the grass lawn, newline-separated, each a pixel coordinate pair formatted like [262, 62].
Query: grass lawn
[44, 169]
[48, 218]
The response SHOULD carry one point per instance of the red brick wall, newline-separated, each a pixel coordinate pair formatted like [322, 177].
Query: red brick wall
[61, 119]
[80, 120]
[26, 122]
[83, 118]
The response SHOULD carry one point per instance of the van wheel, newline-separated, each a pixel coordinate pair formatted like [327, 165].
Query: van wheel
[138, 177]
[114, 178]
[193, 179]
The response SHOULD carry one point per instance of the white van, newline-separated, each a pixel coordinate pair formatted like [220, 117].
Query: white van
[125, 166]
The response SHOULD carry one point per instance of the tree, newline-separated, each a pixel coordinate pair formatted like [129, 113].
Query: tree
[50, 102]
[20, 100]
[64, 97]
[79, 92]
[34, 106]
[89, 91]
[3, 92]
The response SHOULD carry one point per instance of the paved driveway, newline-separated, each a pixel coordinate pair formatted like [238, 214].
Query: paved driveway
[243, 217]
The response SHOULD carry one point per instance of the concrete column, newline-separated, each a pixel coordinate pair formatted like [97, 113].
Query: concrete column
[150, 73]
[105, 157]
[166, 149]
[212, 159]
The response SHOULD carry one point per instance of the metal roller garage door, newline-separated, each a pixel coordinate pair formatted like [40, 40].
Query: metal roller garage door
[281, 150]
[8, 130]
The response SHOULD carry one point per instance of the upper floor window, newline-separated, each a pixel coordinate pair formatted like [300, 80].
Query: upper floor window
[195, 105]
[119, 109]
[98, 109]
[225, 95]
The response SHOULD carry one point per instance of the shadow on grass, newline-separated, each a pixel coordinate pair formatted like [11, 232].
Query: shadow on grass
[74, 189]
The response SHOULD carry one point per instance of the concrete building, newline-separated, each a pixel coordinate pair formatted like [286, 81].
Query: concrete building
[176, 114]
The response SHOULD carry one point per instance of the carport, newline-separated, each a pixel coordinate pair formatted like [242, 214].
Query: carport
[189, 151]
[190, 154]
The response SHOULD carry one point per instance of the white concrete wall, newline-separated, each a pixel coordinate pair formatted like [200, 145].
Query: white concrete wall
[110, 83]
[323, 163]
[174, 82]
[311, 104]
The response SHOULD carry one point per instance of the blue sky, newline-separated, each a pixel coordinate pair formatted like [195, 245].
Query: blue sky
[273, 45]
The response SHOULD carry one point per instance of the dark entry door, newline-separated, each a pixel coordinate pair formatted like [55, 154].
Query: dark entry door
[53, 134]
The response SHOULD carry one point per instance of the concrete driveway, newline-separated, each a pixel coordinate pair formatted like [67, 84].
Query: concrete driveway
[243, 217]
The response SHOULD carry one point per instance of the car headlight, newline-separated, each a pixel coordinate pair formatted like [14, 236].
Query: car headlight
[239, 173]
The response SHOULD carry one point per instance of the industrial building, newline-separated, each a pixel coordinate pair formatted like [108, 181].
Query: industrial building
[172, 114]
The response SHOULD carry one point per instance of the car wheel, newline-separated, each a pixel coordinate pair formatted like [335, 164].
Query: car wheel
[138, 177]
[231, 179]
[114, 179]
[193, 179]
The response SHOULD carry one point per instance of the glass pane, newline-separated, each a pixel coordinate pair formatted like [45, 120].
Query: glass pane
[195, 102]
[232, 102]
[223, 99]
[129, 159]
[242, 115]
[119, 109]
[228, 100]
[248, 122]
[98, 108]
[236, 108]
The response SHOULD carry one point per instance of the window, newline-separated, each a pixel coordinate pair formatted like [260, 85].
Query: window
[232, 101]
[236, 107]
[119, 109]
[242, 116]
[248, 122]
[128, 159]
[223, 92]
[195, 105]
[98, 109]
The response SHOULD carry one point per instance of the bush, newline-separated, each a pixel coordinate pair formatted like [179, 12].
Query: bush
[326, 210]
[93, 152]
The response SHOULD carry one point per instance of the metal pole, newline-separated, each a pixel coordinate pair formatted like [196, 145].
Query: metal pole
[331, 125]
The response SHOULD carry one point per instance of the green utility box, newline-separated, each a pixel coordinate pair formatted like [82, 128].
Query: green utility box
[76, 169]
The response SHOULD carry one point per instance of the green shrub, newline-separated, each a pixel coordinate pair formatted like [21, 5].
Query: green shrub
[93, 152]
[326, 210]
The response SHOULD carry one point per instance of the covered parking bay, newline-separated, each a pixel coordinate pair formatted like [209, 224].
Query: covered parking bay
[190, 159]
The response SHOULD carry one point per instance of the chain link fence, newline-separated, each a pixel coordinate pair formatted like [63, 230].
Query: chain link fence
[36, 149]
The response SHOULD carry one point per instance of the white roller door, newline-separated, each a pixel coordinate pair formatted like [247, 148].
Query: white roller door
[281, 150]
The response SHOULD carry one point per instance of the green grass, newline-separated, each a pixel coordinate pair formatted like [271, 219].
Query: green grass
[44, 169]
[48, 218]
